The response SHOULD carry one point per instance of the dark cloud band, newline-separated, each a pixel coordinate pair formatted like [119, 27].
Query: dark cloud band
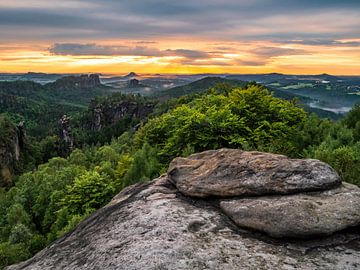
[150, 19]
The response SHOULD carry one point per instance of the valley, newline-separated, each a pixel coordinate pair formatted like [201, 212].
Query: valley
[326, 95]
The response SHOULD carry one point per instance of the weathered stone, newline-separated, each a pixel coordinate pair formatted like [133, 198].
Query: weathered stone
[105, 114]
[66, 138]
[152, 226]
[298, 215]
[10, 151]
[85, 81]
[233, 172]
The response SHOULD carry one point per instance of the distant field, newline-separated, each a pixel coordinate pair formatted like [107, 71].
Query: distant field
[274, 84]
[297, 86]
[77, 105]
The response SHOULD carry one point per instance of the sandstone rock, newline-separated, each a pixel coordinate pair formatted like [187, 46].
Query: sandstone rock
[105, 114]
[152, 226]
[298, 215]
[233, 172]
[85, 81]
[11, 147]
[66, 138]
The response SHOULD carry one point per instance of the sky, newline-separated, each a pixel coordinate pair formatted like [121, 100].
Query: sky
[187, 36]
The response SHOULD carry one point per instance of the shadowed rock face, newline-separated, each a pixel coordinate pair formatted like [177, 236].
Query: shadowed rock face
[107, 114]
[66, 138]
[232, 172]
[154, 226]
[82, 81]
[10, 152]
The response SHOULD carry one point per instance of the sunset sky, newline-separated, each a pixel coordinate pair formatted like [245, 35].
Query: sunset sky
[165, 36]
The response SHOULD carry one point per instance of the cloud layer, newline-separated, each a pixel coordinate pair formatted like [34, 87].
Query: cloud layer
[223, 19]
[224, 33]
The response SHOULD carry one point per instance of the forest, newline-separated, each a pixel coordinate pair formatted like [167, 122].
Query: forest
[52, 191]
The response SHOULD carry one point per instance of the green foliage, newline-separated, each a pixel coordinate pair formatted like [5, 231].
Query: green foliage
[353, 117]
[89, 191]
[10, 253]
[248, 118]
[200, 86]
[336, 143]
[41, 106]
[7, 130]
[17, 215]
[8, 136]
[20, 234]
[144, 166]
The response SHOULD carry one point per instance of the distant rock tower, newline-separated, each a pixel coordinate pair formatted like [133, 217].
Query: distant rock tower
[133, 83]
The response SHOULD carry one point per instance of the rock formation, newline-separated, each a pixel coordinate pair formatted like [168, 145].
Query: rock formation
[105, 114]
[155, 226]
[66, 138]
[11, 146]
[82, 82]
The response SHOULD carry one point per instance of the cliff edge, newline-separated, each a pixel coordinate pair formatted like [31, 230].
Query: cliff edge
[222, 209]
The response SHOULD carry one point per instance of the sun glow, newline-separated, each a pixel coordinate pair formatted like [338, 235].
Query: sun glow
[204, 57]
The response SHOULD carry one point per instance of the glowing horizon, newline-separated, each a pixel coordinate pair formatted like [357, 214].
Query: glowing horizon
[157, 36]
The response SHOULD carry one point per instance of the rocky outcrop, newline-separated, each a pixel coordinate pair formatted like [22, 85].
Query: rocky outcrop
[105, 114]
[155, 226]
[231, 172]
[12, 142]
[298, 215]
[85, 81]
[66, 137]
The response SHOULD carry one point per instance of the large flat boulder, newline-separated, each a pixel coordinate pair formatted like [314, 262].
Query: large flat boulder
[233, 172]
[298, 215]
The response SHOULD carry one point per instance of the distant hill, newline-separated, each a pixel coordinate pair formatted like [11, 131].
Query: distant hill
[197, 87]
[304, 101]
[206, 83]
[131, 75]
[78, 82]
[41, 106]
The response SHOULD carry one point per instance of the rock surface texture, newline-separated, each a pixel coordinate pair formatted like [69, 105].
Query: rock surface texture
[232, 172]
[66, 138]
[298, 215]
[107, 114]
[155, 226]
